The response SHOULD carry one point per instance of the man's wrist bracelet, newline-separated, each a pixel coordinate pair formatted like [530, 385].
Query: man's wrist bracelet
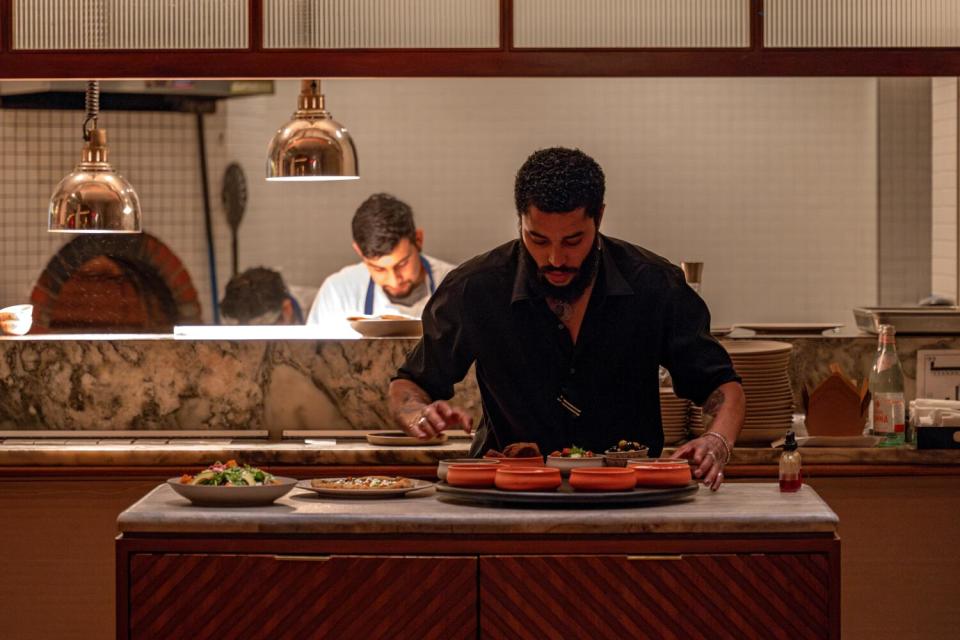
[727, 449]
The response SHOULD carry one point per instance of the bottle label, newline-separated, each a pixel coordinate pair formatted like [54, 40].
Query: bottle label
[887, 413]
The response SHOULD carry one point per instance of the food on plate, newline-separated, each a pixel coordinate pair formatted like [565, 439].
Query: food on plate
[626, 445]
[385, 316]
[229, 474]
[363, 483]
[515, 450]
[573, 452]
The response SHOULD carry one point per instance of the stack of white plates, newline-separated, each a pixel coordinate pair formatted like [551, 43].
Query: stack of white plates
[673, 413]
[763, 367]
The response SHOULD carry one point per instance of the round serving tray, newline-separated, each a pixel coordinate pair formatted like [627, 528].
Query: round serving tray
[565, 496]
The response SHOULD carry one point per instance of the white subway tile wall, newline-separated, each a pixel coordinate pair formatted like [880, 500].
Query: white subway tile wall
[156, 152]
[944, 245]
[771, 182]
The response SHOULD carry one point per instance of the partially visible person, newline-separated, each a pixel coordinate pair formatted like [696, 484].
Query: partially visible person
[394, 275]
[259, 296]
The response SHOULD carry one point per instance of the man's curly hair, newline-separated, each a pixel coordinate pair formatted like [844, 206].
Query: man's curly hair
[557, 180]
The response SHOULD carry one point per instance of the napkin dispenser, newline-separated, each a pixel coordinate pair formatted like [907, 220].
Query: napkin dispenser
[936, 423]
[836, 407]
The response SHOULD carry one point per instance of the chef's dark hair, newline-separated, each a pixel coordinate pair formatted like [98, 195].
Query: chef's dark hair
[253, 293]
[380, 223]
[557, 180]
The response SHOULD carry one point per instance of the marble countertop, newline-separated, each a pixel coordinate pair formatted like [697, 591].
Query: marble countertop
[336, 451]
[735, 509]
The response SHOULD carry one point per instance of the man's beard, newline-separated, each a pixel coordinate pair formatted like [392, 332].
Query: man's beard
[584, 275]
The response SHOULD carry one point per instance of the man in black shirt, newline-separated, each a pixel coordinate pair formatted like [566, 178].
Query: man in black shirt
[567, 328]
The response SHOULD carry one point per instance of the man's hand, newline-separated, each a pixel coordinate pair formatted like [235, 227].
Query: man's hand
[708, 459]
[723, 414]
[414, 411]
[433, 418]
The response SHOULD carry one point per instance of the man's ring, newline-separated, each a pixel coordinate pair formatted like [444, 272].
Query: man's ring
[712, 454]
[422, 421]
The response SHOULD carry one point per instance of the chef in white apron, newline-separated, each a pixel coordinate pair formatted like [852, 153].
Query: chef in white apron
[394, 276]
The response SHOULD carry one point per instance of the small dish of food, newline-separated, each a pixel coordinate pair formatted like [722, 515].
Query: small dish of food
[603, 479]
[624, 450]
[472, 474]
[573, 458]
[231, 485]
[363, 486]
[518, 454]
[661, 473]
[444, 465]
[527, 479]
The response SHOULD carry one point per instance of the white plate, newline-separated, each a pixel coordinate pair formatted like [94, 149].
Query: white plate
[208, 495]
[359, 494]
[384, 328]
[770, 328]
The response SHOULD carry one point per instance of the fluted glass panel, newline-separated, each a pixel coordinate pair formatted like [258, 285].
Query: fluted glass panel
[126, 24]
[631, 23]
[862, 23]
[381, 24]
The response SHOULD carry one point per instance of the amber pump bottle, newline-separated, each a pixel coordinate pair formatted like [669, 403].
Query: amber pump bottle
[791, 477]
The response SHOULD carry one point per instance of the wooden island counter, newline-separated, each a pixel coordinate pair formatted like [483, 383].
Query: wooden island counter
[747, 561]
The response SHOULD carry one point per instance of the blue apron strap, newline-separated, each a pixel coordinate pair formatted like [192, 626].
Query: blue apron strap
[429, 270]
[297, 311]
[368, 302]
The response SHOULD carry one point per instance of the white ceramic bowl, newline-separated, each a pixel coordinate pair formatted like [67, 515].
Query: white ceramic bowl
[16, 320]
[566, 464]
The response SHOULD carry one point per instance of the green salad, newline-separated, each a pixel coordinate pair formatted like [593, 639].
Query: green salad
[230, 474]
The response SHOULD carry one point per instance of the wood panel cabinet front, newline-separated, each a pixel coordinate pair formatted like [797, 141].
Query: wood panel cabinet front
[268, 596]
[689, 596]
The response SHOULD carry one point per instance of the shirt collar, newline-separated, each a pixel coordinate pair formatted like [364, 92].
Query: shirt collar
[610, 280]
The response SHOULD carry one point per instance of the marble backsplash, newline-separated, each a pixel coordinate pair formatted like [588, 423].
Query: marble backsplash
[275, 385]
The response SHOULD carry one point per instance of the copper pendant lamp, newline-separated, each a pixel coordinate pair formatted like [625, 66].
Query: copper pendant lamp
[312, 145]
[94, 198]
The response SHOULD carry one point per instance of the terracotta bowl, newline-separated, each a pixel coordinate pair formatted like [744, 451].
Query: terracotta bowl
[16, 320]
[603, 479]
[566, 464]
[531, 461]
[471, 474]
[620, 458]
[527, 478]
[444, 465]
[661, 473]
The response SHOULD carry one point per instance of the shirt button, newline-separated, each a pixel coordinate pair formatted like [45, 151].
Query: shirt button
[572, 370]
[560, 326]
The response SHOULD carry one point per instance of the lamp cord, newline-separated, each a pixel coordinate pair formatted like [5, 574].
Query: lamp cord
[92, 104]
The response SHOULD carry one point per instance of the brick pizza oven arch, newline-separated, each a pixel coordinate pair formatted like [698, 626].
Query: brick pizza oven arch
[141, 253]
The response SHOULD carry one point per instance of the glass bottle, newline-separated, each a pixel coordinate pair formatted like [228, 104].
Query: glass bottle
[886, 417]
[791, 476]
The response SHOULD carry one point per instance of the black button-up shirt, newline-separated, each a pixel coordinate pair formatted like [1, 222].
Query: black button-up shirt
[538, 386]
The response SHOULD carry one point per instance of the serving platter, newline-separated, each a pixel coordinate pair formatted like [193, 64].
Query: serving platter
[401, 439]
[565, 496]
[208, 495]
[377, 327]
[363, 494]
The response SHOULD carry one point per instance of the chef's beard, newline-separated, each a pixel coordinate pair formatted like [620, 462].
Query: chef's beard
[572, 291]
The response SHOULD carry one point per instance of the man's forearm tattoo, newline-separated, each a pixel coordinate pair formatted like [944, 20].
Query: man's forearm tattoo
[712, 407]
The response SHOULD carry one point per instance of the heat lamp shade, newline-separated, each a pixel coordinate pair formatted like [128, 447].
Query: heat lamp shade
[308, 148]
[94, 199]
